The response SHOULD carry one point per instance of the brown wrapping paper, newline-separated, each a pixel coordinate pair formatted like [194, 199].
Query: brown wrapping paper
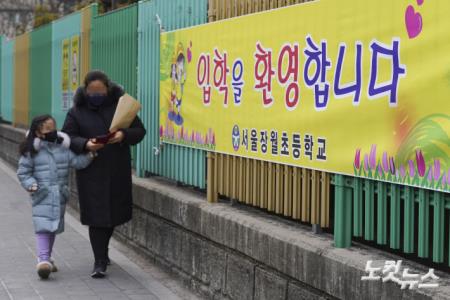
[126, 111]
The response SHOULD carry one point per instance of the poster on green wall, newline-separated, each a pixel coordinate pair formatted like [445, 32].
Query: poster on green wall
[74, 55]
[70, 70]
[65, 75]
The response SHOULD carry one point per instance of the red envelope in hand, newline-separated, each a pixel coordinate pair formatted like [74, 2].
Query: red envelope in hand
[103, 139]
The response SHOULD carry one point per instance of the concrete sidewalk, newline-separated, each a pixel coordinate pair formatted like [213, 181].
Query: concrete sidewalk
[73, 256]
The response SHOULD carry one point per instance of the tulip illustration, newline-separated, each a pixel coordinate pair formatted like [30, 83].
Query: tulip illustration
[392, 165]
[210, 134]
[448, 177]
[402, 171]
[412, 169]
[357, 162]
[430, 173]
[380, 171]
[443, 183]
[420, 163]
[437, 169]
[373, 157]
[385, 162]
[366, 162]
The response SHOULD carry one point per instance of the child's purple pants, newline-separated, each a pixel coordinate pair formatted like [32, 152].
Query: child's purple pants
[44, 245]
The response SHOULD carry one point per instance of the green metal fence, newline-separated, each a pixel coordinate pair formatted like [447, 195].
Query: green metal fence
[114, 48]
[179, 163]
[40, 71]
[405, 219]
[7, 79]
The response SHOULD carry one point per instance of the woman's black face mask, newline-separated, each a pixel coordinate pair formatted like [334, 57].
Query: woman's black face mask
[96, 99]
[51, 136]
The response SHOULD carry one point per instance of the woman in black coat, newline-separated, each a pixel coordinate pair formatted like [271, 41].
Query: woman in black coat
[105, 187]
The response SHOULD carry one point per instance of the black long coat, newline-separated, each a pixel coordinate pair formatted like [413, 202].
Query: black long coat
[105, 187]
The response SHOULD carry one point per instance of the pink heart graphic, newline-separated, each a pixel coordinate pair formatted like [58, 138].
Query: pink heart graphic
[413, 22]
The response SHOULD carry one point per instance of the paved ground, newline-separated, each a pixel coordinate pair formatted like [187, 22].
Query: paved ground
[127, 278]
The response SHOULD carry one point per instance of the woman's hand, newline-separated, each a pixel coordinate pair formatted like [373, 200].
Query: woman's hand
[117, 138]
[93, 147]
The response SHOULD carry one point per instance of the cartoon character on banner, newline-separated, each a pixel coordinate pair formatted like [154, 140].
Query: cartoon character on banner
[178, 76]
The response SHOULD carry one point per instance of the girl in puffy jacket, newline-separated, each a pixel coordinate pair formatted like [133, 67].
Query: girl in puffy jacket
[43, 171]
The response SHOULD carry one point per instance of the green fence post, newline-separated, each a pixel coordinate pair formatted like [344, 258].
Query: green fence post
[382, 213]
[438, 228]
[424, 216]
[343, 213]
[408, 238]
[369, 211]
[357, 207]
[395, 217]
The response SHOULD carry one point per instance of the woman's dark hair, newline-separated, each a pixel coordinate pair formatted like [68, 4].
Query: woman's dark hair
[95, 75]
[27, 145]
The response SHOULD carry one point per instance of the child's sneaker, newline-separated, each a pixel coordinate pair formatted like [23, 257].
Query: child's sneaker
[44, 268]
[54, 268]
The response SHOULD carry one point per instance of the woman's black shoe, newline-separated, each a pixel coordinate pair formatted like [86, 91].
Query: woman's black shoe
[99, 270]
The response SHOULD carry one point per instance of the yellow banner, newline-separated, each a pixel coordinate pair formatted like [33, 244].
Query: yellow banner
[75, 62]
[66, 100]
[351, 87]
[65, 64]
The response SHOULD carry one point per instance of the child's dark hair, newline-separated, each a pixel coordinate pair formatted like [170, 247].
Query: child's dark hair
[27, 145]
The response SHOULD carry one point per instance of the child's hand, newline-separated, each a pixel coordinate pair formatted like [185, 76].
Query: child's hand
[33, 188]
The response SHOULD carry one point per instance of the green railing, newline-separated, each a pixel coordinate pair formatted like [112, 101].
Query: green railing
[179, 163]
[40, 71]
[114, 48]
[7, 80]
[403, 218]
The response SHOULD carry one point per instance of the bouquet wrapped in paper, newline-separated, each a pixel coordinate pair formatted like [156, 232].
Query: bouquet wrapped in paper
[126, 111]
